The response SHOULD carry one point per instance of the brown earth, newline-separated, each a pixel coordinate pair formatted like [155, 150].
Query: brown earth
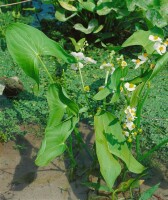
[21, 179]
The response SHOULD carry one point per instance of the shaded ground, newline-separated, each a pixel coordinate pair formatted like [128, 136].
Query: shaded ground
[22, 180]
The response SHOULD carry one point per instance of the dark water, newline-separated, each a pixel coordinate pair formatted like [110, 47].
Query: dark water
[44, 12]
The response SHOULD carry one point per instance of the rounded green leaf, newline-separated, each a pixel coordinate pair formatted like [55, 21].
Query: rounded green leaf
[68, 6]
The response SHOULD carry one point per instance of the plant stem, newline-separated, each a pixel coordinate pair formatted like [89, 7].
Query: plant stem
[83, 87]
[45, 68]
[81, 77]
[106, 79]
[80, 140]
[70, 152]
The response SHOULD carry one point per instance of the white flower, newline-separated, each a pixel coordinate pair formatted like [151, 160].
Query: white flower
[126, 133]
[2, 87]
[155, 38]
[160, 48]
[143, 57]
[130, 114]
[78, 55]
[123, 64]
[129, 86]
[130, 125]
[138, 62]
[90, 60]
[75, 66]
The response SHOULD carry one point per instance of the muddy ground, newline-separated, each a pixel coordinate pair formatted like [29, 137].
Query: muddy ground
[20, 179]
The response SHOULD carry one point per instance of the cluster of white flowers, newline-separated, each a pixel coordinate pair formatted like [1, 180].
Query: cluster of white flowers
[130, 86]
[141, 60]
[81, 58]
[108, 67]
[159, 45]
[129, 126]
[85, 44]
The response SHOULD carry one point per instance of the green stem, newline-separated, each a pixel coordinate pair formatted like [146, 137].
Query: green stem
[70, 152]
[106, 79]
[83, 87]
[153, 149]
[81, 77]
[45, 68]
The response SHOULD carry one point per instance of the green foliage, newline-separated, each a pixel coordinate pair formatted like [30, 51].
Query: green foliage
[34, 45]
[109, 138]
[58, 127]
[144, 41]
[113, 149]
[106, 15]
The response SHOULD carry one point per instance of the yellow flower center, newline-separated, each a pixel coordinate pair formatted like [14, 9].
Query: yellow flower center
[131, 85]
[161, 48]
[156, 37]
[137, 61]
[145, 54]
[129, 139]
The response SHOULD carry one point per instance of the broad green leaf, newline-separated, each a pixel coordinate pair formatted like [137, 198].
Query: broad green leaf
[109, 166]
[102, 94]
[116, 142]
[104, 7]
[60, 15]
[88, 5]
[26, 46]
[155, 18]
[161, 63]
[68, 6]
[148, 193]
[58, 129]
[144, 41]
[136, 95]
[91, 26]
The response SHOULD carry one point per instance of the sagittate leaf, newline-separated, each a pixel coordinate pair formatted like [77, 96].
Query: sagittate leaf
[148, 193]
[115, 140]
[26, 46]
[91, 26]
[144, 41]
[109, 166]
[59, 127]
